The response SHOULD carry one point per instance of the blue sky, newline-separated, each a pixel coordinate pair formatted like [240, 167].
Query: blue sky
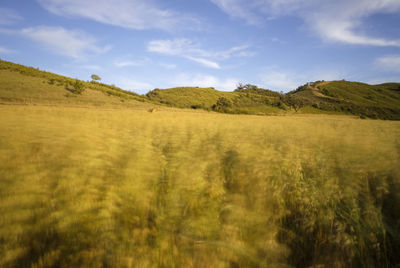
[140, 45]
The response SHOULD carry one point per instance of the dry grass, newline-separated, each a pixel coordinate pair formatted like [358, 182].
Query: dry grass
[122, 188]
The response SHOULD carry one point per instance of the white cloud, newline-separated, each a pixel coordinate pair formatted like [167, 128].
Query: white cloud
[238, 9]
[237, 51]
[333, 20]
[131, 63]
[186, 48]
[204, 62]
[280, 81]
[8, 16]
[202, 80]
[133, 14]
[6, 51]
[179, 46]
[70, 43]
[389, 63]
[287, 80]
[133, 85]
[381, 80]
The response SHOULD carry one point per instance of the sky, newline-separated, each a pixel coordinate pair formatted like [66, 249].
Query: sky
[140, 45]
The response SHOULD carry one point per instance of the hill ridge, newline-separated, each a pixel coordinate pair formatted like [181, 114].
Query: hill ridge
[19, 83]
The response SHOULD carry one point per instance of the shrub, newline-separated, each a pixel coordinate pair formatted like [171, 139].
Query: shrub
[223, 104]
[78, 87]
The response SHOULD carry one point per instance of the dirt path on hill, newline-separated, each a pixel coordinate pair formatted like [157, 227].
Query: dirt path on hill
[316, 91]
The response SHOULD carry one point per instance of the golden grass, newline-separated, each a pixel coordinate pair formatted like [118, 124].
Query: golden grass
[122, 188]
[20, 89]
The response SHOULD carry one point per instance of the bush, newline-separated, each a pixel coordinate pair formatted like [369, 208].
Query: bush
[223, 104]
[78, 87]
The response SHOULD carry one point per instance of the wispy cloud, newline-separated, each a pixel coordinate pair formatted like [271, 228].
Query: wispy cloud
[383, 79]
[131, 63]
[389, 63]
[204, 62]
[286, 80]
[9, 16]
[278, 80]
[133, 14]
[190, 50]
[6, 51]
[239, 9]
[133, 85]
[333, 20]
[70, 43]
[204, 80]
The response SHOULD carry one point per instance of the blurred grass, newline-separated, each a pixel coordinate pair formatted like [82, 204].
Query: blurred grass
[121, 188]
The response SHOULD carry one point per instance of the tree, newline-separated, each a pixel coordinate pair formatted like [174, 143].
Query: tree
[95, 77]
[294, 102]
[242, 87]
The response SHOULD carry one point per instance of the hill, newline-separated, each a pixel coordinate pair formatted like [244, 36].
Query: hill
[337, 97]
[27, 85]
[188, 97]
[243, 101]
[246, 99]
[20, 84]
[374, 101]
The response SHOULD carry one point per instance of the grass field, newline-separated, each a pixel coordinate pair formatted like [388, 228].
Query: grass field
[96, 187]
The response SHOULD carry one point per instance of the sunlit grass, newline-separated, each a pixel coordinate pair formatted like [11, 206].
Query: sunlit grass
[123, 188]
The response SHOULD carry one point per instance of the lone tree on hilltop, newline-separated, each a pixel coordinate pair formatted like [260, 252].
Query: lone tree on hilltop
[95, 77]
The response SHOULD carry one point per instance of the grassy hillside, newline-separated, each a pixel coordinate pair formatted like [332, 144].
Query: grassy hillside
[337, 97]
[244, 101]
[188, 97]
[122, 188]
[374, 101]
[26, 85]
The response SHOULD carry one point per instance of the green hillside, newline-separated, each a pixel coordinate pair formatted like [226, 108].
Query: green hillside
[373, 101]
[188, 97]
[246, 99]
[337, 97]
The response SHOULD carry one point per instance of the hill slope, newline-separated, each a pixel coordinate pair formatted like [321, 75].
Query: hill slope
[375, 101]
[339, 97]
[26, 85]
[188, 97]
[246, 100]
